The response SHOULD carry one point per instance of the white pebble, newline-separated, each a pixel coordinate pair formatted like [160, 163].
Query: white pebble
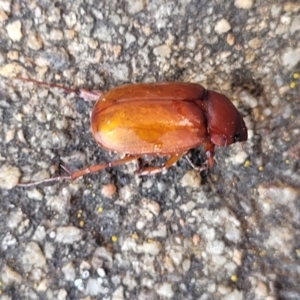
[93, 287]
[85, 274]
[79, 284]
[101, 272]
[9, 276]
[234, 295]
[295, 25]
[187, 207]
[248, 99]
[238, 158]
[165, 290]
[233, 233]
[222, 26]
[62, 294]
[68, 235]
[34, 194]
[163, 51]
[34, 42]
[216, 247]
[135, 6]
[14, 31]
[129, 38]
[255, 43]
[100, 257]
[244, 4]
[9, 176]
[69, 272]
[192, 179]
[152, 248]
[161, 231]
[118, 294]
[33, 257]
[290, 57]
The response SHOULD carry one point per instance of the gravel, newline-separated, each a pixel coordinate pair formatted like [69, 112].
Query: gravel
[232, 233]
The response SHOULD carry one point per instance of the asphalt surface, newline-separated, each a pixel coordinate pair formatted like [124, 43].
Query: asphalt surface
[232, 233]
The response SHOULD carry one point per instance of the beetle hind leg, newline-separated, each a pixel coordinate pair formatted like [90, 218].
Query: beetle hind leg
[80, 173]
[97, 168]
[154, 170]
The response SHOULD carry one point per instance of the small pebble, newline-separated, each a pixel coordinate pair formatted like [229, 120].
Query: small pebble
[93, 288]
[34, 42]
[222, 26]
[3, 16]
[295, 25]
[101, 272]
[108, 190]
[238, 158]
[290, 57]
[33, 257]
[244, 4]
[68, 235]
[165, 290]
[152, 248]
[9, 276]
[9, 176]
[69, 271]
[230, 39]
[101, 257]
[261, 289]
[234, 295]
[79, 284]
[163, 51]
[135, 6]
[14, 30]
[192, 179]
[248, 99]
[62, 294]
[118, 294]
[255, 43]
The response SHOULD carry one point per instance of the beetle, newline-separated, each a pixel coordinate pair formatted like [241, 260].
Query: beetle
[161, 119]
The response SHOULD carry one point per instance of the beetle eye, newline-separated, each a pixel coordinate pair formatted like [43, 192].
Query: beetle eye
[237, 137]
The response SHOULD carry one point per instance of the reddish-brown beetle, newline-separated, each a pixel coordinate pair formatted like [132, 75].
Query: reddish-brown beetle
[166, 119]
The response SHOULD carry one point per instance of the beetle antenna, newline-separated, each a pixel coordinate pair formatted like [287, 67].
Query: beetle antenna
[82, 93]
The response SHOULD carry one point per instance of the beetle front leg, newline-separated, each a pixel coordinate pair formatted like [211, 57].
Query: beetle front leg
[154, 170]
[203, 167]
[210, 152]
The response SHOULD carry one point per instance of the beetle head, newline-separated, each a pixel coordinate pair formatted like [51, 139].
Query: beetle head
[225, 123]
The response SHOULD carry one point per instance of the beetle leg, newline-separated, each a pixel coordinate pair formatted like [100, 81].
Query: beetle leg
[97, 168]
[82, 93]
[153, 170]
[74, 175]
[46, 180]
[89, 95]
[203, 167]
[210, 152]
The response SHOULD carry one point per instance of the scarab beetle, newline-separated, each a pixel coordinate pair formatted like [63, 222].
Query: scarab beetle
[162, 119]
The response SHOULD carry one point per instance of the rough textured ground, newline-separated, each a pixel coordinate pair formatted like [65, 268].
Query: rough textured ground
[233, 234]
